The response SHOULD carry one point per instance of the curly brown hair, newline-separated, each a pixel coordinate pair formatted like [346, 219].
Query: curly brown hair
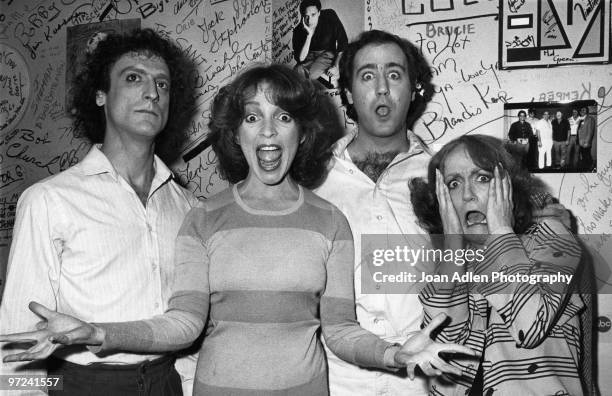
[89, 119]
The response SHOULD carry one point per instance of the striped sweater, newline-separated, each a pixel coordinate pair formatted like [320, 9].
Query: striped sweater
[267, 281]
[529, 334]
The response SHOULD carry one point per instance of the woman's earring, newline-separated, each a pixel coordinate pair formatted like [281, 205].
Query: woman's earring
[419, 88]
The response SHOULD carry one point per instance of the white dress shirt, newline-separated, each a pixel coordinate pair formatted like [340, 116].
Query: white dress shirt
[84, 244]
[383, 207]
[545, 128]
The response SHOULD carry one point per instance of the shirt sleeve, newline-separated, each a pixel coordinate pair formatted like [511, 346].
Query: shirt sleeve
[187, 310]
[341, 331]
[32, 273]
[531, 309]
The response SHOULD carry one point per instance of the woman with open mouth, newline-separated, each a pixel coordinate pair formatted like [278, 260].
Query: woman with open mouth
[529, 332]
[263, 266]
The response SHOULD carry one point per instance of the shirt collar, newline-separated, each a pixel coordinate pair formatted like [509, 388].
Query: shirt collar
[417, 145]
[95, 163]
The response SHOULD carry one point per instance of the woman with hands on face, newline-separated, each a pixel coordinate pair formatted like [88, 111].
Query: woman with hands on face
[264, 266]
[480, 197]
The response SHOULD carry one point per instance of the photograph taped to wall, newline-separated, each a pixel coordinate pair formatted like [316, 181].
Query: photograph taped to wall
[544, 33]
[82, 39]
[553, 137]
[340, 20]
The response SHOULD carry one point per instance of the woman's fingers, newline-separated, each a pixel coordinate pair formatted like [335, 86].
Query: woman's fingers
[17, 357]
[40, 310]
[450, 221]
[499, 185]
[434, 323]
[28, 336]
[456, 348]
[42, 349]
[429, 370]
[492, 191]
[440, 190]
[509, 189]
[410, 369]
[445, 367]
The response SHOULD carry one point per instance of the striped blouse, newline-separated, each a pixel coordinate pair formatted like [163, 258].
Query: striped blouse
[529, 334]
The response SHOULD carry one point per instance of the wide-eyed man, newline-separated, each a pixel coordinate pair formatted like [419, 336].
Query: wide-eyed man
[383, 77]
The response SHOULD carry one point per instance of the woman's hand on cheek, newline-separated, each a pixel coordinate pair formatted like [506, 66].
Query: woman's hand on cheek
[499, 204]
[450, 220]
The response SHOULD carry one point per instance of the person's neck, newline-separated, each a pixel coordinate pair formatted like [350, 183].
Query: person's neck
[134, 162]
[258, 195]
[365, 144]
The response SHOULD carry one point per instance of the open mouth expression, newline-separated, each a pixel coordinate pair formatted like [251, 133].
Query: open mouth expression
[468, 186]
[269, 138]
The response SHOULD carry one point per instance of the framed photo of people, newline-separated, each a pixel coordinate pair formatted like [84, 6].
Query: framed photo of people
[553, 137]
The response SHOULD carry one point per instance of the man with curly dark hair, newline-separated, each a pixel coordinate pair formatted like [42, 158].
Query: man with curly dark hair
[90, 118]
[97, 240]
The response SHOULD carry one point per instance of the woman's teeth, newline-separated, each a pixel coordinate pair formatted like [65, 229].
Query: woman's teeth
[475, 217]
[269, 156]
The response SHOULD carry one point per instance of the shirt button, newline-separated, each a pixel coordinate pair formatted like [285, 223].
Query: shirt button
[378, 286]
[351, 171]
[156, 305]
[154, 266]
[149, 227]
[379, 217]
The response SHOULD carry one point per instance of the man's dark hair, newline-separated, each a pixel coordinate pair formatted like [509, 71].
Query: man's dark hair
[309, 3]
[522, 112]
[89, 118]
[312, 110]
[419, 71]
